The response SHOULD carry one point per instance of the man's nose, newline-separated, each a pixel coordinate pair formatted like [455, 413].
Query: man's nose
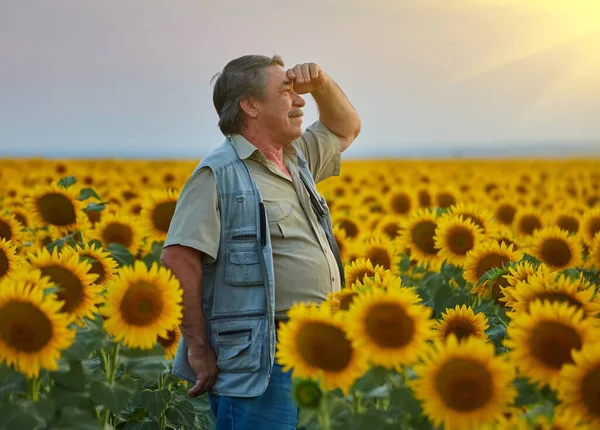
[299, 101]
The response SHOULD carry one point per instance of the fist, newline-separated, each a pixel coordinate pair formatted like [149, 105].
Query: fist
[307, 77]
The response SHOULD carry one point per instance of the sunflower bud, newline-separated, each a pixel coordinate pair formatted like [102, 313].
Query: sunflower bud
[307, 393]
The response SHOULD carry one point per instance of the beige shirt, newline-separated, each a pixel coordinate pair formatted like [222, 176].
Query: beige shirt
[305, 268]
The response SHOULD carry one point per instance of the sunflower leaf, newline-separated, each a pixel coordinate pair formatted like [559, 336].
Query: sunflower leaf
[94, 207]
[115, 396]
[181, 414]
[442, 296]
[121, 254]
[154, 402]
[71, 418]
[67, 181]
[73, 379]
[86, 193]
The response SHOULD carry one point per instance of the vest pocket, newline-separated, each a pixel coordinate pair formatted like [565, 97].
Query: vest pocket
[242, 267]
[237, 343]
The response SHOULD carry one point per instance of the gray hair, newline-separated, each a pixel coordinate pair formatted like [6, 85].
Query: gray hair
[241, 78]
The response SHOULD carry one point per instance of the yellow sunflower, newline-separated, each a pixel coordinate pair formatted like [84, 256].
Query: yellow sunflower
[556, 249]
[590, 224]
[401, 201]
[102, 264]
[516, 273]
[343, 242]
[477, 214]
[462, 322]
[505, 235]
[593, 259]
[579, 390]
[542, 340]
[389, 225]
[313, 343]
[555, 287]
[504, 212]
[563, 419]
[120, 229]
[527, 220]
[464, 386]
[10, 228]
[171, 342]
[52, 205]
[381, 252]
[345, 222]
[344, 298]
[418, 235]
[484, 257]
[77, 291]
[33, 331]
[567, 219]
[391, 325]
[360, 269]
[142, 305]
[9, 260]
[157, 212]
[455, 236]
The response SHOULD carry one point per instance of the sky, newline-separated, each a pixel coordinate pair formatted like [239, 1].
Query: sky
[131, 78]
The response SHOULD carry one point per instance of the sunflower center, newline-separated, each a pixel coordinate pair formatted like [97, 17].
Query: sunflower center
[552, 343]
[445, 200]
[324, 346]
[400, 204]
[162, 215]
[424, 199]
[460, 240]
[347, 299]
[391, 230]
[97, 269]
[56, 209]
[142, 304]
[4, 265]
[389, 326]
[24, 327]
[556, 252]
[461, 328]
[21, 218]
[594, 227]
[349, 227]
[5, 230]
[558, 296]
[507, 242]
[474, 220]
[117, 233]
[590, 391]
[360, 276]
[464, 385]
[506, 214]
[568, 223]
[71, 288]
[423, 237]
[499, 283]
[171, 336]
[529, 223]
[489, 262]
[379, 256]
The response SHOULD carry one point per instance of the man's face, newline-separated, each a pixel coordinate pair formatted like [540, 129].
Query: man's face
[280, 113]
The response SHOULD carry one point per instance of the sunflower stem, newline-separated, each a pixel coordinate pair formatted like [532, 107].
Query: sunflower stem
[34, 385]
[324, 420]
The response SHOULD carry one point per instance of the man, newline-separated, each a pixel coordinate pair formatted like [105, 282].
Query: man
[250, 235]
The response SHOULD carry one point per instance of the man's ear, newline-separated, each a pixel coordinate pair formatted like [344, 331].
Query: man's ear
[249, 107]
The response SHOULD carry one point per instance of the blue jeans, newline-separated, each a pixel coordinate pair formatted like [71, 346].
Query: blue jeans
[275, 409]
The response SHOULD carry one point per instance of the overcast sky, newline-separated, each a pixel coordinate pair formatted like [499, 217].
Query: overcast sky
[132, 77]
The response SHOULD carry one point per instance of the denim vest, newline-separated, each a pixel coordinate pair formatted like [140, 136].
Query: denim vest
[238, 293]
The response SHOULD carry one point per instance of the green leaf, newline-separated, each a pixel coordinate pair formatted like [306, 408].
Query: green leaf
[96, 242]
[87, 340]
[13, 382]
[64, 398]
[73, 379]
[147, 368]
[528, 393]
[121, 254]
[67, 181]
[16, 417]
[373, 378]
[442, 295]
[154, 402]
[94, 207]
[404, 263]
[86, 193]
[181, 414]
[72, 418]
[402, 400]
[142, 425]
[115, 396]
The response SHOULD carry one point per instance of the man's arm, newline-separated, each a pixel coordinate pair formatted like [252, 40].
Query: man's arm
[337, 113]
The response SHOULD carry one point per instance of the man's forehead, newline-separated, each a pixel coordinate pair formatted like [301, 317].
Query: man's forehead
[278, 76]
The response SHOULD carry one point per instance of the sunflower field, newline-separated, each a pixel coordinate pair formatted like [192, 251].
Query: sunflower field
[470, 299]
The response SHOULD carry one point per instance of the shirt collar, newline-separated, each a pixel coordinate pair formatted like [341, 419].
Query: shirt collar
[245, 149]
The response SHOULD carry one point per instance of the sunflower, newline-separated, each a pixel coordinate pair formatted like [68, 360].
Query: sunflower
[590, 224]
[77, 291]
[462, 322]
[52, 205]
[418, 235]
[593, 259]
[579, 390]
[313, 343]
[464, 386]
[119, 229]
[9, 260]
[350, 226]
[33, 332]
[157, 212]
[556, 249]
[455, 236]
[567, 219]
[170, 342]
[478, 215]
[401, 201]
[102, 264]
[484, 257]
[142, 304]
[505, 235]
[518, 272]
[504, 212]
[360, 269]
[543, 339]
[342, 241]
[10, 228]
[389, 225]
[563, 419]
[344, 298]
[555, 287]
[391, 325]
[527, 220]
[381, 252]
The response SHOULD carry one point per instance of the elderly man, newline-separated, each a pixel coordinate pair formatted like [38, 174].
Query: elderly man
[251, 235]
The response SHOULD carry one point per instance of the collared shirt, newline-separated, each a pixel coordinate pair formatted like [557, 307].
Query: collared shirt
[305, 268]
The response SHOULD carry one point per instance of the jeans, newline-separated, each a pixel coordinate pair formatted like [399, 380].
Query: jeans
[275, 409]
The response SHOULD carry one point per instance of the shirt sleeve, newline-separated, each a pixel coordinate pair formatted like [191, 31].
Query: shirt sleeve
[321, 149]
[196, 221]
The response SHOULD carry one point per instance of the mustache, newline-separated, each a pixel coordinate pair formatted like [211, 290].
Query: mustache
[295, 113]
